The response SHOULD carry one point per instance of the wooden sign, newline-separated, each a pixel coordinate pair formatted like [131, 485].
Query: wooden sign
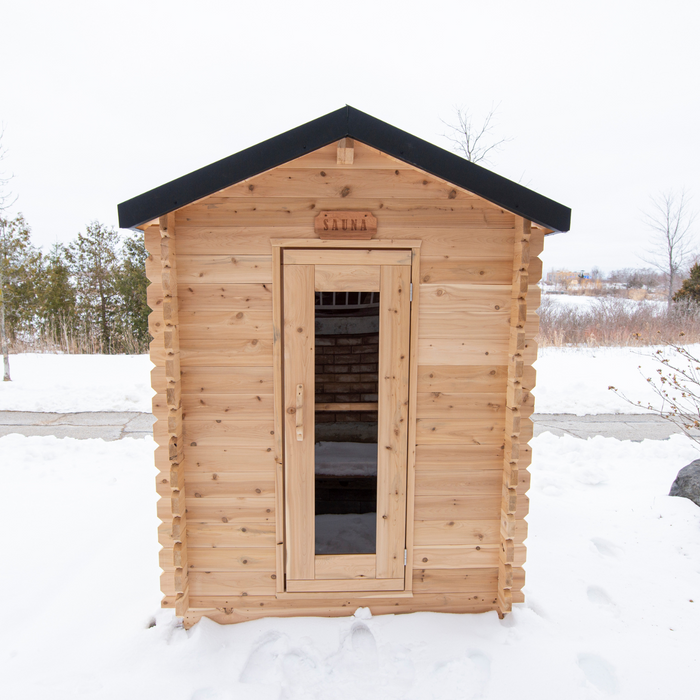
[334, 225]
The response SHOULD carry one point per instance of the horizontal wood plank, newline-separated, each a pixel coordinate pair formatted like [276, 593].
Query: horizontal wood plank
[463, 378]
[240, 433]
[464, 507]
[227, 380]
[244, 352]
[348, 183]
[214, 406]
[344, 257]
[224, 269]
[447, 269]
[347, 278]
[236, 484]
[226, 611]
[283, 211]
[459, 580]
[243, 583]
[229, 510]
[460, 456]
[345, 566]
[470, 482]
[230, 534]
[222, 237]
[464, 298]
[230, 559]
[223, 297]
[456, 557]
[229, 458]
[224, 325]
[436, 431]
[463, 532]
[342, 585]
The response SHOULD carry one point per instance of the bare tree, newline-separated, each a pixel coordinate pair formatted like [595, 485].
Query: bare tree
[671, 220]
[475, 141]
[6, 201]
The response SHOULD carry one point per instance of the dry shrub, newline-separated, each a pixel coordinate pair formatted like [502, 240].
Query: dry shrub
[614, 321]
[82, 340]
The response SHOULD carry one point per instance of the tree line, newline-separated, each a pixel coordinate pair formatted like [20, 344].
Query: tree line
[88, 296]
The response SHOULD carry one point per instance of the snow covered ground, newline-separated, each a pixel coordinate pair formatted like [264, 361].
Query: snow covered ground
[569, 380]
[612, 596]
[585, 302]
[75, 383]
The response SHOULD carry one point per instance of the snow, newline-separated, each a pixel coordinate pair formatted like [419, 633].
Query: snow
[76, 383]
[569, 380]
[583, 302]
[346, 459]
[576, 380]
[612, 596]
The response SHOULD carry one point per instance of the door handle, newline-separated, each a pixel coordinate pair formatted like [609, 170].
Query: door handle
[300, 412]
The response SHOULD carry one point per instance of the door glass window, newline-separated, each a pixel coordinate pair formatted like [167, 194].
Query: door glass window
[346, 375]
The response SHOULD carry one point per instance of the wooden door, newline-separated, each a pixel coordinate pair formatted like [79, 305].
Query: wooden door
[305, 272]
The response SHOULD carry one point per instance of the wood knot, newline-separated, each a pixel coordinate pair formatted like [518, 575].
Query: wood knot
[345, 191]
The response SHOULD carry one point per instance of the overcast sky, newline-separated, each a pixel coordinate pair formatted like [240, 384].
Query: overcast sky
[102, 101]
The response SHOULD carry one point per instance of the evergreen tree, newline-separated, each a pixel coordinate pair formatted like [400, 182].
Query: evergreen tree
[95, 268]
[690, 290]
[20, 267]
[57, 296]
[132, 284]
[20, 271]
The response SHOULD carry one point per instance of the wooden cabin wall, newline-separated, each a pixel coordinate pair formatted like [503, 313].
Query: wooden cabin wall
[231, 450]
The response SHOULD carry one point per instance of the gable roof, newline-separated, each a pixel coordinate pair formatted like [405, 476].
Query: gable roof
[344, 122]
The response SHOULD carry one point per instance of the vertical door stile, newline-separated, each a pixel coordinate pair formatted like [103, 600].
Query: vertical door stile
[299, 344]
[394, 335]
[305, 272]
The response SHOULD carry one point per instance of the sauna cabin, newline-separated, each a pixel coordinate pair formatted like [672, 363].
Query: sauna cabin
[343, 322]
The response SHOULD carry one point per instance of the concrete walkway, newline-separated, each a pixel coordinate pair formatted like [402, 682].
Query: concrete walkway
[108, 426]
[115, 426]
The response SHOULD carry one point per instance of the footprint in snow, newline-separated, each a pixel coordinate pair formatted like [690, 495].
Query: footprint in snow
[598, 672]
[465, 677]
[362, 639]
[598, 596]
[606, 548]
[481, 670]
[262, 665]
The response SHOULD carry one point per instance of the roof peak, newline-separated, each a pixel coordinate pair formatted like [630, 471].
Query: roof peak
[345, 122]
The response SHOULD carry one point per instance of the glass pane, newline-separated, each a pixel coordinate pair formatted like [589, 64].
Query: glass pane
[347, 360]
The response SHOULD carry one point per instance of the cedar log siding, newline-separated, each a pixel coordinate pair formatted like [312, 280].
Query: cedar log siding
[231, 450]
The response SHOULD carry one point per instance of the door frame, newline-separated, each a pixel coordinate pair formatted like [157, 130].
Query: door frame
[278, 246]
